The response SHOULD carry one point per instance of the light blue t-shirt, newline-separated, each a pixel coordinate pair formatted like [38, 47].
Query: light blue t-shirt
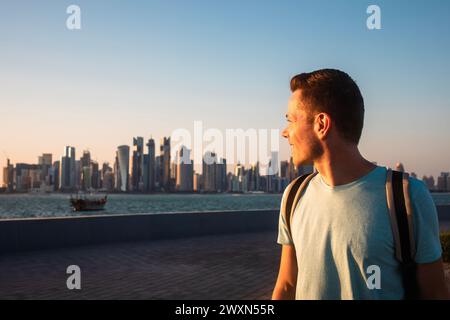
[338, 232]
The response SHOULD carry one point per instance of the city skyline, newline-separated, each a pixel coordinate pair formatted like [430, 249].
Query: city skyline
[148, 172]
[173, 170]
[156, 66]
[197, 167]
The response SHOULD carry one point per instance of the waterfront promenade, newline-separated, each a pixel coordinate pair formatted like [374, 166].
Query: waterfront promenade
[215, 255]
[239, 266]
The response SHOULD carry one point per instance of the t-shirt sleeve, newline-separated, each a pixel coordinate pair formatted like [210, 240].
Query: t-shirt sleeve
[426, 224]
[284, 236]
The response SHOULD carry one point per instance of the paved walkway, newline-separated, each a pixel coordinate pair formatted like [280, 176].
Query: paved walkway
[242, 266]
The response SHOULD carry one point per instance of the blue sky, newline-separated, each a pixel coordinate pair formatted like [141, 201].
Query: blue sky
[149, 67]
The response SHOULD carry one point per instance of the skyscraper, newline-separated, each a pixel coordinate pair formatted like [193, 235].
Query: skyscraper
[158, 172]
[184, 167]
[26, 176]
[284, 174]
[197, 182]
[284, 169]
[429, 181]
[106, 168]
[137, 177]
[54, 175]
[86, 175]
[255, 182]
[85, 159]
[272, 174]
[123, 168]
[239, 179]
[108, 181]
[86, 170]
[221, 175]
[173, 167]
[78, 172]
[149, 176]
[95, 175]
[45, 162]
[165, 164]
[442, 182]
[116, 172]
[8, 176]
[209, 171]
[45, 159]
[292, 170]
[274, 164]
[68, 174]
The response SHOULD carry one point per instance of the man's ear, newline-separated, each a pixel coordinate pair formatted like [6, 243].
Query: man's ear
[322, 125]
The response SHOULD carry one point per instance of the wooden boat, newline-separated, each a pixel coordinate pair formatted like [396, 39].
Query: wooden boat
[88, 203]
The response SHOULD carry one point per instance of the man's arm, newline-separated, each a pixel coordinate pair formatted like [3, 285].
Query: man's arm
[287, 276]
[431, 281]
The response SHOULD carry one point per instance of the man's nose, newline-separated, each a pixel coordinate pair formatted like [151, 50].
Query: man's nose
[285, 133]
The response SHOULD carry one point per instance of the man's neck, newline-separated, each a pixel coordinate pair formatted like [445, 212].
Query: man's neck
[342, 166]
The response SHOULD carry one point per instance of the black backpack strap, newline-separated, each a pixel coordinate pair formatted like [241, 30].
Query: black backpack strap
[294, 191]
[402, 227]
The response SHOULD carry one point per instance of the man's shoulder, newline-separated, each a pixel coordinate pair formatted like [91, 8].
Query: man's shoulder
[415, 185]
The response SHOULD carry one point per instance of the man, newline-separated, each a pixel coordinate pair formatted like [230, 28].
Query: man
[341, 224]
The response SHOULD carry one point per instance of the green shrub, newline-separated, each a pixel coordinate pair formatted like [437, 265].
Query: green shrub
[445, 242]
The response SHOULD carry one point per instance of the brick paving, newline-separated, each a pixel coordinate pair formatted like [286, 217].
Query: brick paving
[241, 266]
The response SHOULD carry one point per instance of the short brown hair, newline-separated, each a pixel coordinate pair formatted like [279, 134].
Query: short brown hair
[333, 92]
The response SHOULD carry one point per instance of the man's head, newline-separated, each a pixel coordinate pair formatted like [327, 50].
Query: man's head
[325, 109]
